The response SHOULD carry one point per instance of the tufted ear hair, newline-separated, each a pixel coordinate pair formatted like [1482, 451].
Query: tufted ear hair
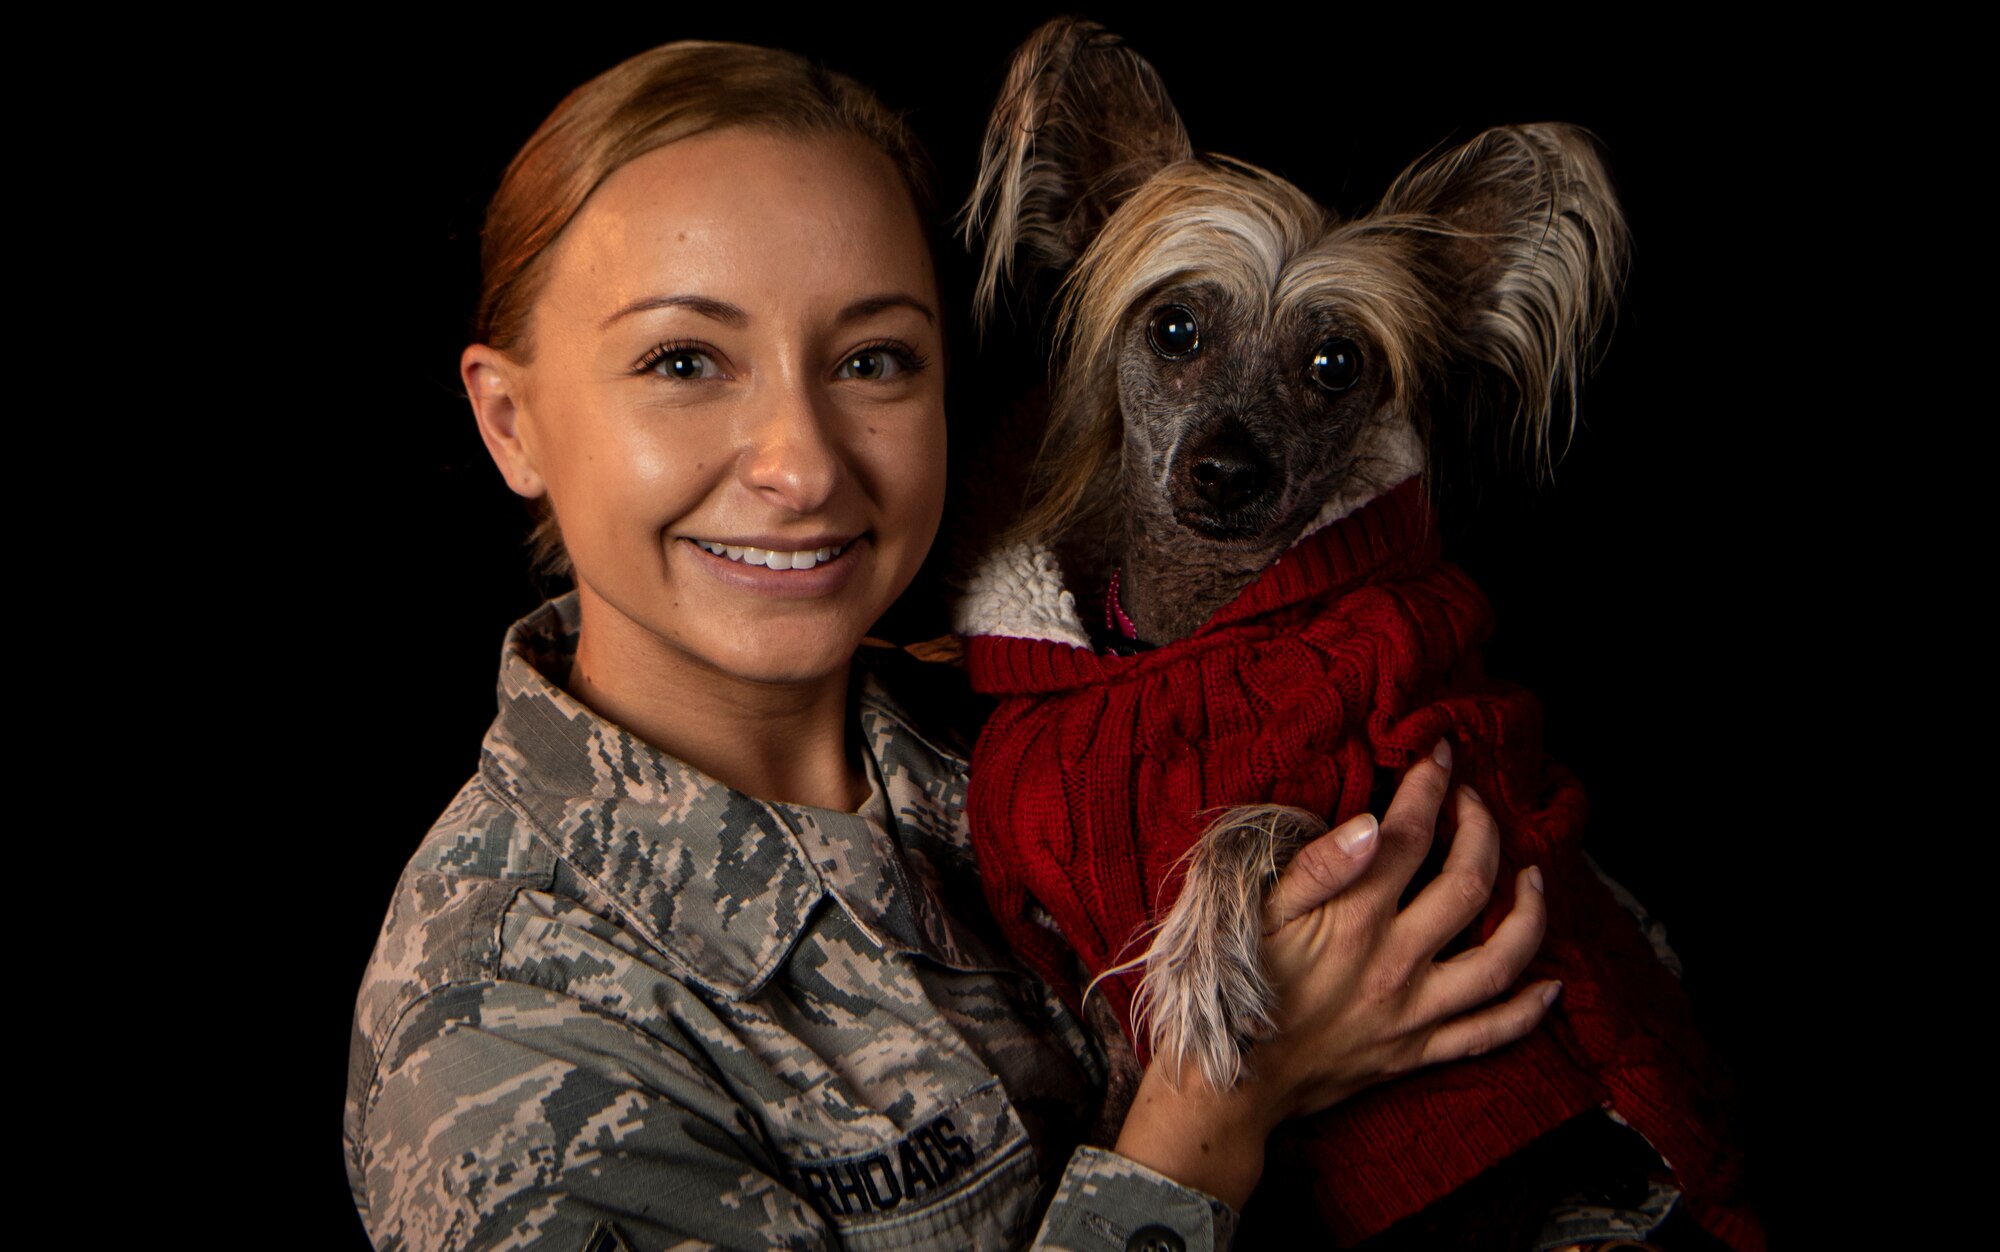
[1081, 123]
[1522, 235]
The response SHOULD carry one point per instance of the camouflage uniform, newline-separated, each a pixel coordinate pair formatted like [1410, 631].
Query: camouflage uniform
[616, 1004]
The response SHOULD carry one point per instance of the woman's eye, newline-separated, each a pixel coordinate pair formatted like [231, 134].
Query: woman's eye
[1173, 332]
[682, 364]
[870, 365]
[1336, 365]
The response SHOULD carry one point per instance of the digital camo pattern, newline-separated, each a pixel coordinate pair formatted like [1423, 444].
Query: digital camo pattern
[614, 999]
[1101, 1205]
[1580, 1223]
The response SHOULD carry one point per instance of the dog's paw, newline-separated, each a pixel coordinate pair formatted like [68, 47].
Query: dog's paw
[1204, 997]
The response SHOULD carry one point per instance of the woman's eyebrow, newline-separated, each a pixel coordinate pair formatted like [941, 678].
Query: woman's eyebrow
[875, 304]
[730, 315]
[717, 310]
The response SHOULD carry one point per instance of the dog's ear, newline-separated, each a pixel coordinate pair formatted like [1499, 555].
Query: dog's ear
[1082, 122]
[1528, 247]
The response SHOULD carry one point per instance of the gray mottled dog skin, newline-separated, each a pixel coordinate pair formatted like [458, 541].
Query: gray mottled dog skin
[1236, 364]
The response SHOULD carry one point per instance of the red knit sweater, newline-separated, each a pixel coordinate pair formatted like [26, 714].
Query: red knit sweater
[1358, 648]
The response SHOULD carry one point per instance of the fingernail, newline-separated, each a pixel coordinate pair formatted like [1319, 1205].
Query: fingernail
[1535, 877]
[1467, 789]
[1442, 754]
[1356, 833]
[1550, 992]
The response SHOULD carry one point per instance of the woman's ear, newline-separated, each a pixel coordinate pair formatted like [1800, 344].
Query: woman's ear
[493, 385]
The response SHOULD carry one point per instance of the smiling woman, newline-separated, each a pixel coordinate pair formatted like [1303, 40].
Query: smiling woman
[699, 955]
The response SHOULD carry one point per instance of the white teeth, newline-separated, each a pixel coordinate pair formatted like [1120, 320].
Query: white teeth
[773, 560]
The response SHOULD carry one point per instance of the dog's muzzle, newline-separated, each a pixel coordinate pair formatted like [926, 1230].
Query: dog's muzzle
[1223, 488]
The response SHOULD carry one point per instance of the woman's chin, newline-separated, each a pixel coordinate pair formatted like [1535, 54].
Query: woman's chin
[800, 651]
[795, 661]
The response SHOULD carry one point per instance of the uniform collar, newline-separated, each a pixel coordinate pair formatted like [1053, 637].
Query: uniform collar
[721, 882]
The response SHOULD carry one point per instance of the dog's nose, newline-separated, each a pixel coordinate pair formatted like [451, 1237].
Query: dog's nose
[1229, 473]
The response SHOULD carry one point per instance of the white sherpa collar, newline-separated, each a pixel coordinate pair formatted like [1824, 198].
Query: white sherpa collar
[1018, 590]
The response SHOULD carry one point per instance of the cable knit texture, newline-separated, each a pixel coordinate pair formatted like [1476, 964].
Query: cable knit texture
[1356, 651]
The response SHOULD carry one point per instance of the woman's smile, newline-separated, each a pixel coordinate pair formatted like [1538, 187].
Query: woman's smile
[776, 557]
[783, 569]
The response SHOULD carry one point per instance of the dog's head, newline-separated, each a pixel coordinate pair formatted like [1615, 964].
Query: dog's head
[1236, 363]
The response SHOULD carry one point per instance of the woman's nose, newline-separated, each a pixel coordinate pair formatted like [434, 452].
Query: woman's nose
[792, 459]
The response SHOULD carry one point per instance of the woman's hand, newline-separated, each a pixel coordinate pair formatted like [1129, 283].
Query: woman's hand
[1362, 996]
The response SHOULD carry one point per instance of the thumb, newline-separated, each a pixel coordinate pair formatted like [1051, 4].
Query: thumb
[1322, 870]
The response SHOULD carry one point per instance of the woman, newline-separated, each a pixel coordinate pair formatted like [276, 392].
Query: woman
[699, 952]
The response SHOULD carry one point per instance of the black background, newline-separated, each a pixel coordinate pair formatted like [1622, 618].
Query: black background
[1672, 596]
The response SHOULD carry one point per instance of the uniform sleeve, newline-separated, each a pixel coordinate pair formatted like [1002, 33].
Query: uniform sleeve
[1106, 1201]
[508, 1116]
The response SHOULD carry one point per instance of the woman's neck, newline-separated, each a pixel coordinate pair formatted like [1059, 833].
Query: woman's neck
[786, 742]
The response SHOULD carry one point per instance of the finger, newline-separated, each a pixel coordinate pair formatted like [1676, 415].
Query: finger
[1449, 902]
[1322, 870]
[1411, 821]
[1489, 1028]
[1476, 976]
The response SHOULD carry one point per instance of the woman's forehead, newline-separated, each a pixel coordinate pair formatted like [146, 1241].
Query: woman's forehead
[744, 216]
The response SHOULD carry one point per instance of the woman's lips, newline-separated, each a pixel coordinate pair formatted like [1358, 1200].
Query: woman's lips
[796, 558]
[805, 572]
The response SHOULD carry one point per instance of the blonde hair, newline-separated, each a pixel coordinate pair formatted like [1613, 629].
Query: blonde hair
[658, 97]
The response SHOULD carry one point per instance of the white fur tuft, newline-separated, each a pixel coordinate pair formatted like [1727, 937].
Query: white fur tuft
[1017, 590]
[1204, 998]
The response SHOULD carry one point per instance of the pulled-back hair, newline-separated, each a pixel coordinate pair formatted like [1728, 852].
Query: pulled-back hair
[669, 93]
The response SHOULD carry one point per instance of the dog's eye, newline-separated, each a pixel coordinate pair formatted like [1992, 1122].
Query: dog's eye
[1172, 332]
[1336, 364]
